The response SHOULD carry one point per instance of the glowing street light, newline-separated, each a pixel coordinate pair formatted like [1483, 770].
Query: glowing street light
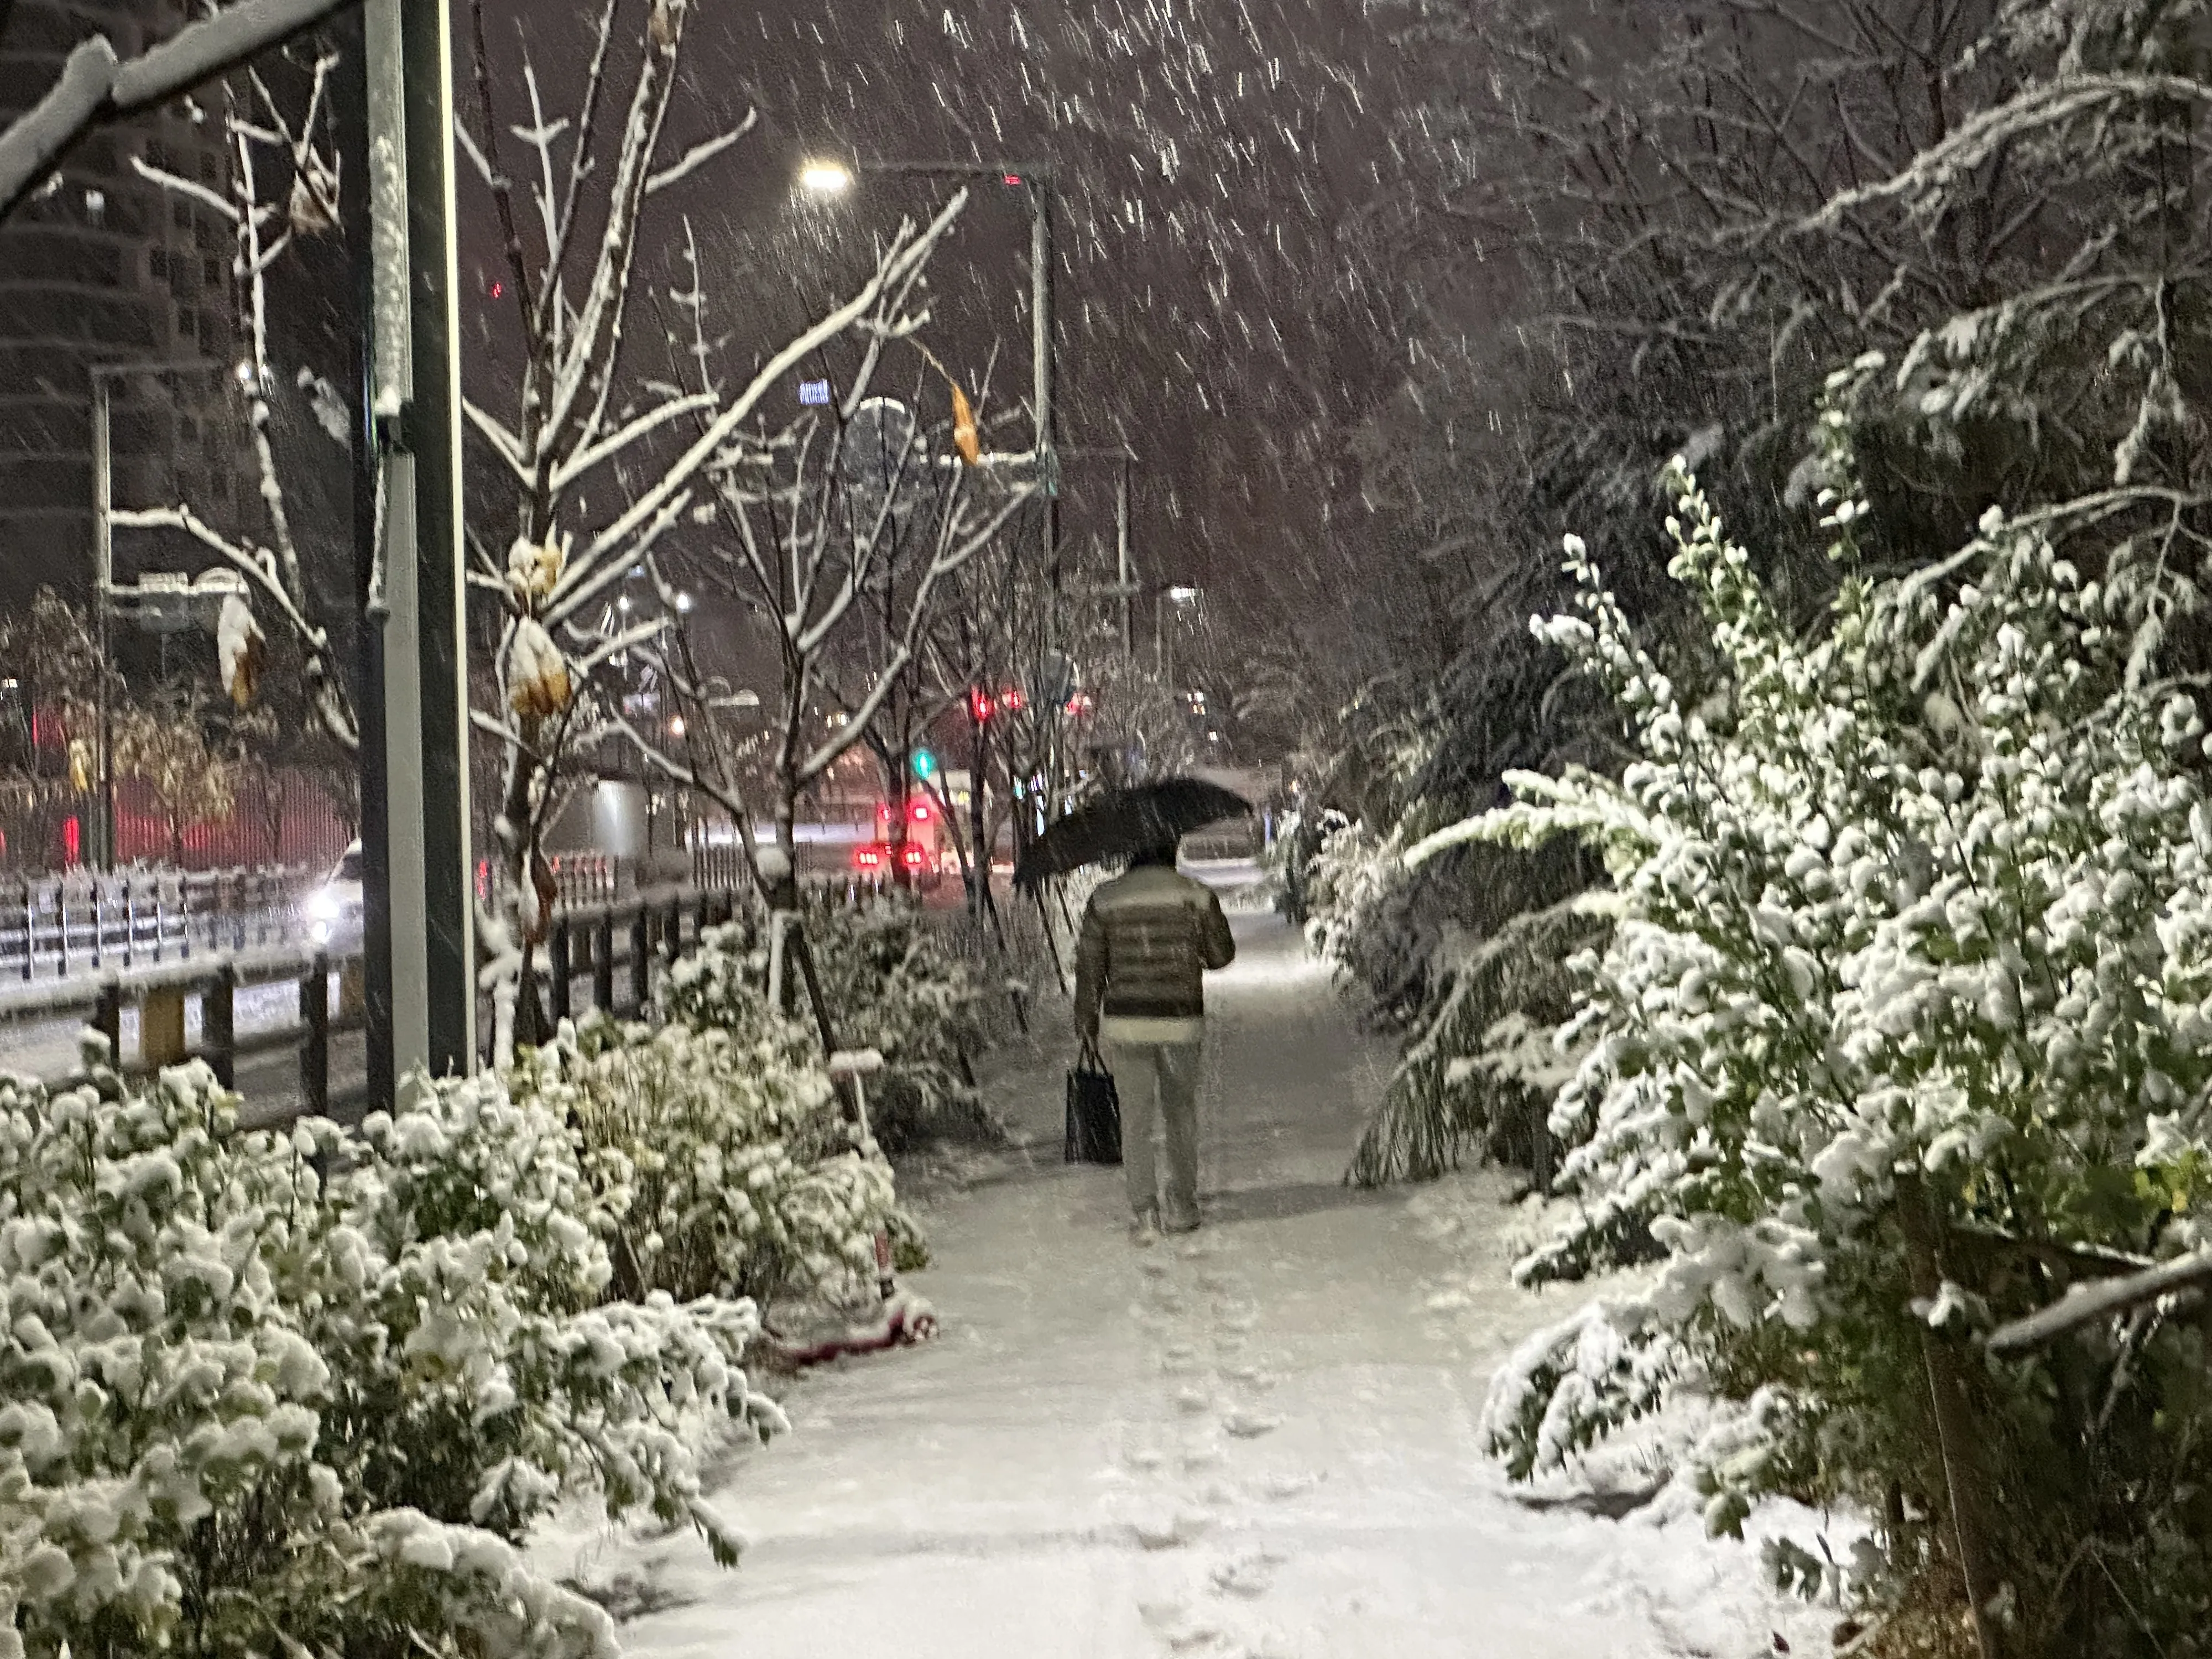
[826, 178]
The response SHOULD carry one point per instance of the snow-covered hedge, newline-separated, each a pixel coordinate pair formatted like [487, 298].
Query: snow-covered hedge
[301, 1391]
[1906, 1022]
[894, 982]
[726, 1166]
[1480, 1066]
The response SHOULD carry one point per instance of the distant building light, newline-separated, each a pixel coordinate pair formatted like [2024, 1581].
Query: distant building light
[814, 393]
[1012, 177]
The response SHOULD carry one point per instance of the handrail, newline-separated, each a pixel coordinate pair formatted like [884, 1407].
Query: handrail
[654, 925]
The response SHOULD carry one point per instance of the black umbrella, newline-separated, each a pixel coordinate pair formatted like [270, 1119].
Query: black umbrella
[1125, 821]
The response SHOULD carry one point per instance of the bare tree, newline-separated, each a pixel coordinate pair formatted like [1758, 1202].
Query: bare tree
[95, 87]
[605, 460]
[282, 185]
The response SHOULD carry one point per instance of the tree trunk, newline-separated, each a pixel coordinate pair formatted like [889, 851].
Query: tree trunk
[1955, 1426]
[897, 830]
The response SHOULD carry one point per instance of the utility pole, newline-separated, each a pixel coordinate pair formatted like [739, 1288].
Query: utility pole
[103, 578]
[1124, 578]
[419, 875]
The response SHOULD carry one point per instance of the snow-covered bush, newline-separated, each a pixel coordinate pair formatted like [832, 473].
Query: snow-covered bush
[894, 982]
[1480, 1066]
[301, 1391]
[1906, 1022]
[1364, 915]
[726, 1167]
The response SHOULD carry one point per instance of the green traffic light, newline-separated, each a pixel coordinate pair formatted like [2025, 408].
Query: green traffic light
[925, 764]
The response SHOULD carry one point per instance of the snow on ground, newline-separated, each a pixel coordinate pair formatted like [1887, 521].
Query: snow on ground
[48, 1048]
[1259, 1442]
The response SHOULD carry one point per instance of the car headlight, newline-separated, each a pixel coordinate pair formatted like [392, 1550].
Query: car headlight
[324, 906]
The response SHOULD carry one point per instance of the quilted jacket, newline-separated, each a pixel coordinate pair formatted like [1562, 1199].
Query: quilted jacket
[1148, 937]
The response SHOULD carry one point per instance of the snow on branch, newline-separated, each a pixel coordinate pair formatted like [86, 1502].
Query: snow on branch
[1982, 135]
[2088, 1304]
[95, 87]
[699, 154]
[904, 260]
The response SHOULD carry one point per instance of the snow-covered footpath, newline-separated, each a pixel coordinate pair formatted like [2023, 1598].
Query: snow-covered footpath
[1259, 1442]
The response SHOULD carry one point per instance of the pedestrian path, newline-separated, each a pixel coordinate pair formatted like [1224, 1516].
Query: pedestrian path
[1259, 1442]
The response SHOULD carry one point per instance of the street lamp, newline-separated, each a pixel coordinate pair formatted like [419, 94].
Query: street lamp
[827, 176]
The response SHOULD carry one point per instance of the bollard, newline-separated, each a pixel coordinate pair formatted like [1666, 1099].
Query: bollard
[107, 1020]
[315, 1051]
[219, 1026]
[557, 964]
[161, 1027]
[603, 963]
[641, 962]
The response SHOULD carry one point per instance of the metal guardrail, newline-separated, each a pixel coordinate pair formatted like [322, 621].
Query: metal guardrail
[57, 927]
[614, 947]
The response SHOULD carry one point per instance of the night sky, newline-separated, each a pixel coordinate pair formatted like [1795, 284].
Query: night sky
[1222, 167]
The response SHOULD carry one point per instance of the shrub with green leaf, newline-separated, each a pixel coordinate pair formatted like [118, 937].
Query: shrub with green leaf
[726, 1167]
[1906, 1025]
[303, 1393]
[893, 982]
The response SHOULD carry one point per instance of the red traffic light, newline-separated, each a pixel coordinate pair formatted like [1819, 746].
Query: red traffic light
[1012, 177]
[979, 704]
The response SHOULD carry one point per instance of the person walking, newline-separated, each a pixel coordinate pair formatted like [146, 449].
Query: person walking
[1149, 936]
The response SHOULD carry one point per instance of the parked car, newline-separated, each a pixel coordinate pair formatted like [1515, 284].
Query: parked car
[334, 908]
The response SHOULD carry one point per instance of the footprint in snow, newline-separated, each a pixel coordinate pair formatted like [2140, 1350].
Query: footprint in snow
[1180, 1627]
[1251, 1376]
[1250, 1425]
[1191, 1400]
[1248, 1576]
[1200, 1454]
[1282, 1486]
[1169, 1529]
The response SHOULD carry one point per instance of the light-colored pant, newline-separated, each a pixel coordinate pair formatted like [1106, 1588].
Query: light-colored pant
[1157, 1083]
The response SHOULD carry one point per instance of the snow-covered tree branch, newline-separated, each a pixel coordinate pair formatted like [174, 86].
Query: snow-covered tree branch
[95, 87]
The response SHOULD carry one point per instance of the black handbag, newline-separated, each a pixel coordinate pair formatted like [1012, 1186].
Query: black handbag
[1094, 1111]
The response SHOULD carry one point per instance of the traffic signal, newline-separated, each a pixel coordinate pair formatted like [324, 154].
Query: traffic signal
[925, 765]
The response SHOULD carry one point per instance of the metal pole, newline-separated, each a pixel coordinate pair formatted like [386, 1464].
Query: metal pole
[103, 578]
[1042, 346]
[1122, 576]
[430, 940]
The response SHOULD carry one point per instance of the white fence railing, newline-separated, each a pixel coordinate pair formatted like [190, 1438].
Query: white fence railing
[57, 927]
